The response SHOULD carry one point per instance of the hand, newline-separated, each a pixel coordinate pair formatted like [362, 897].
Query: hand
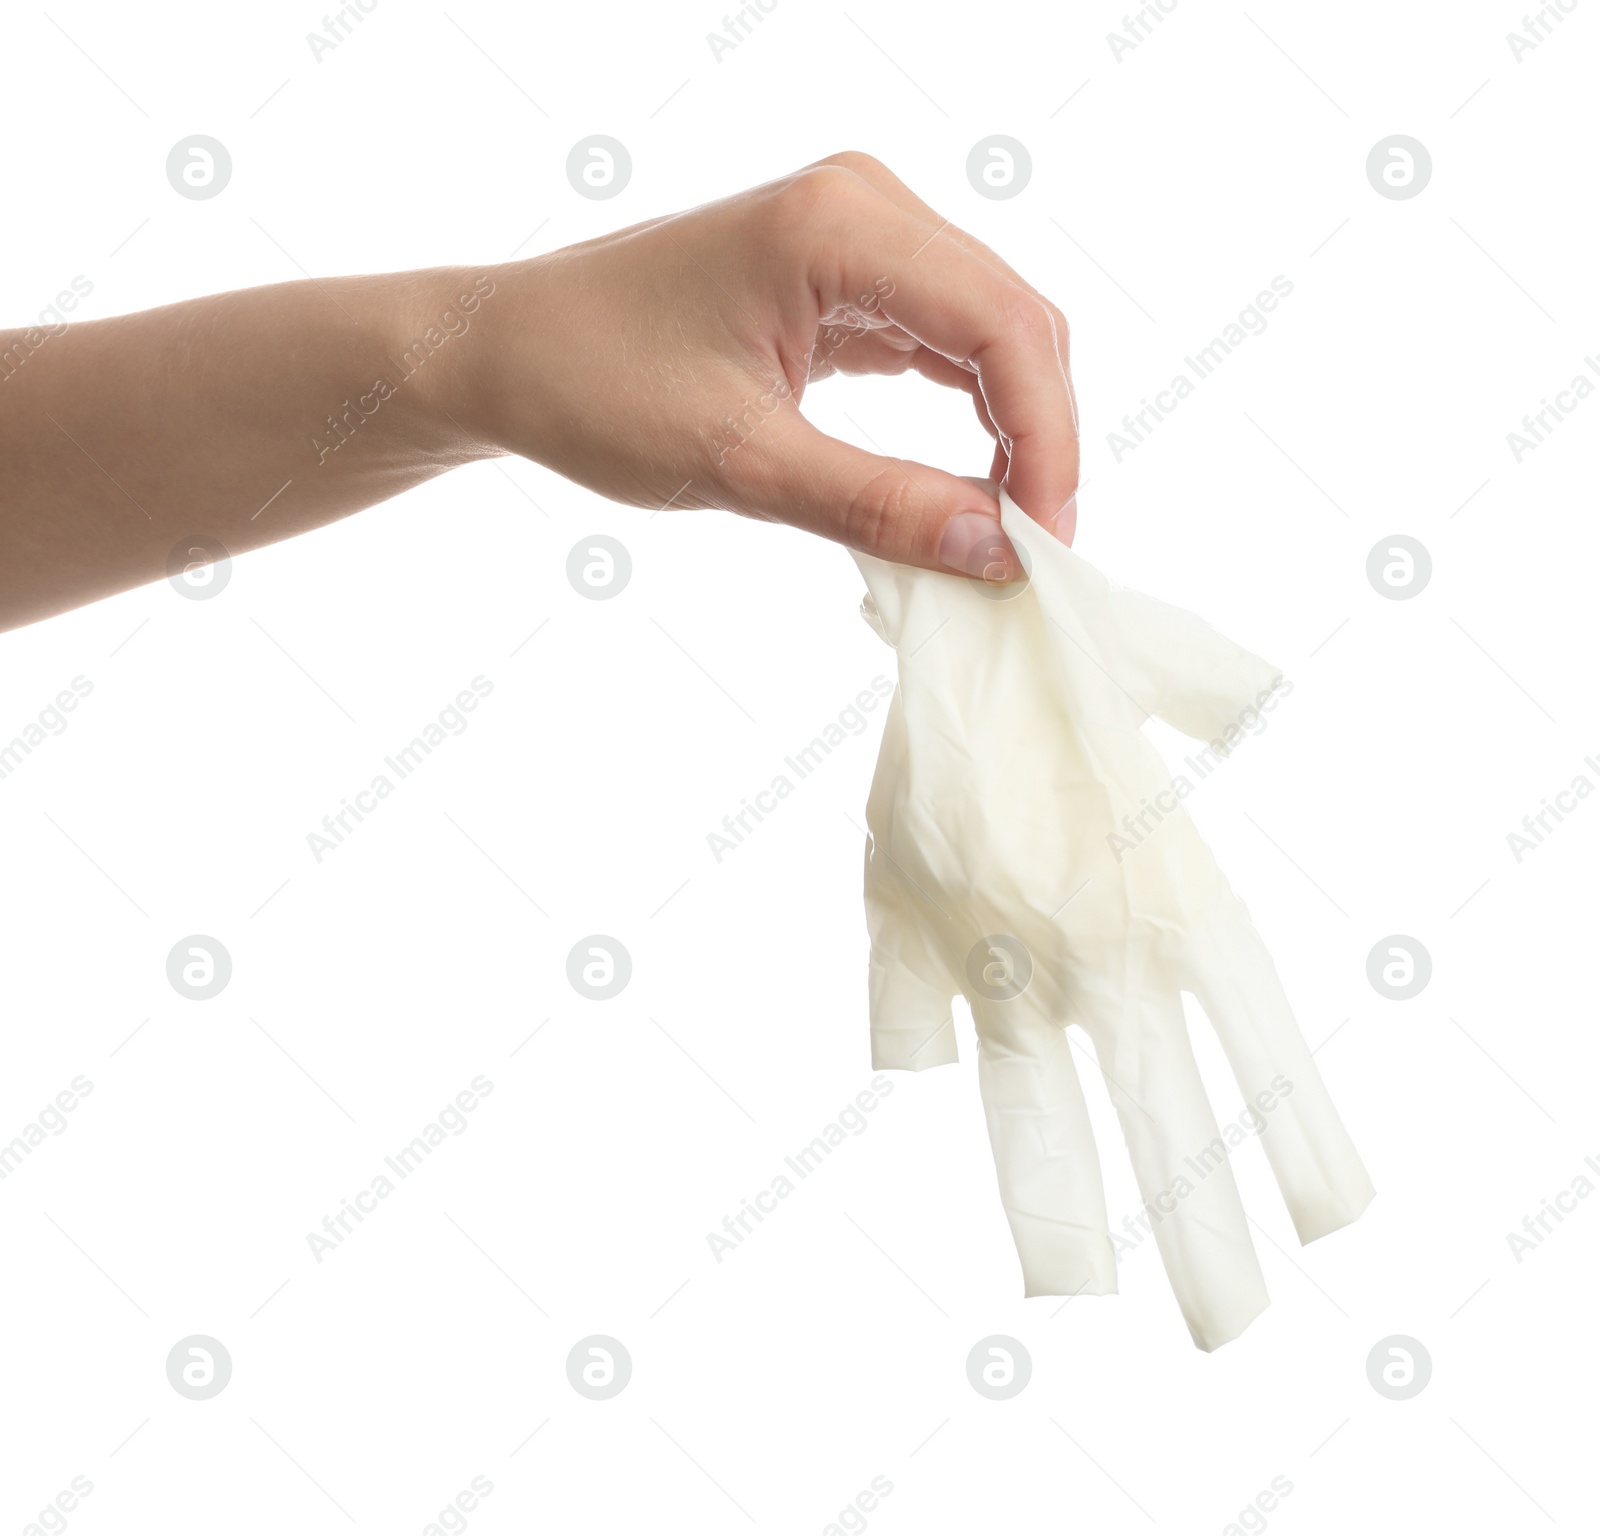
[667, 364]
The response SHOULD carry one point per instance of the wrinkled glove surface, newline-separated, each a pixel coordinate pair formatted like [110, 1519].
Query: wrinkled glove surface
[1028, 849]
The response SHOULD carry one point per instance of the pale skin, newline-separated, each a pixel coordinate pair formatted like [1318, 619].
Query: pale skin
[661, 366]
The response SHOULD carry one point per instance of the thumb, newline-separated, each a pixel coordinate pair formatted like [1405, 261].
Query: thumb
[896, 509]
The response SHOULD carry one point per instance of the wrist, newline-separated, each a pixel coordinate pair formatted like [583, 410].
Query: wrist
[439, 345]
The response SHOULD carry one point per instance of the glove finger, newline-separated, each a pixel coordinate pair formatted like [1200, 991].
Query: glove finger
[1180, 1162]
[1324, 1182]
[909, 987]
[1200, 682]
[1044, 1152]
[1164, 660]
[912, 1024]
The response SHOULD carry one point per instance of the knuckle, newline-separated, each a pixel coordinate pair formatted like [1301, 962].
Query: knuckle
[819, 191]
[1025, 315]
[858, 162]
[876, 517]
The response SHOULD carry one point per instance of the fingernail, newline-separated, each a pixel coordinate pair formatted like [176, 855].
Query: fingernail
[976, 545]
[1065, 522]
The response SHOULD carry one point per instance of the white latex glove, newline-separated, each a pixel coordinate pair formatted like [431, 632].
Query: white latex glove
[1027, 849]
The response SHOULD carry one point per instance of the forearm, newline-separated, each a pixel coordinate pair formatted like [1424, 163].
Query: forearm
[660, 366]
[242, 417]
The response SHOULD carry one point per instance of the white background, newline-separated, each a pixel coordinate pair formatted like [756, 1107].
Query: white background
[770, 1389]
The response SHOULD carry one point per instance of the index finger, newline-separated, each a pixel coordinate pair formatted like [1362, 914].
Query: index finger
[1045, 490]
